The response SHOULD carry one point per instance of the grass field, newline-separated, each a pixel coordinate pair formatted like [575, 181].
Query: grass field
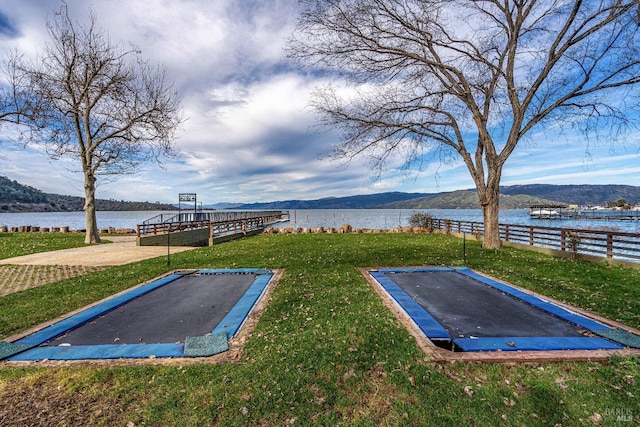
[327, 352]
[17, 244]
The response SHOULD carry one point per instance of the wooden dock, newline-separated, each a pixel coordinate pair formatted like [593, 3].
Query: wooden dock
[606, 215]
[563, 212]
[205, 228]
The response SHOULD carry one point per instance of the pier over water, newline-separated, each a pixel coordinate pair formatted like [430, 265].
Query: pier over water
[205, 228]
[564, 212]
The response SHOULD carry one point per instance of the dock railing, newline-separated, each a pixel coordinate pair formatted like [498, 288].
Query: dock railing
[218, 222]
[612, 245]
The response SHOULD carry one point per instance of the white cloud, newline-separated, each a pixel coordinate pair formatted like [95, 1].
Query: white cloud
[245, 114]
[249, 134]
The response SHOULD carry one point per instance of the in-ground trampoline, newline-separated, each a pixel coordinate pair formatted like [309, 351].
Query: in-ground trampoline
[460, 310]
[183, 314]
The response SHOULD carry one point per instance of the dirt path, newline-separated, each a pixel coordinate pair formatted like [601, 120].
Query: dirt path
[28, 271]
[122, 251]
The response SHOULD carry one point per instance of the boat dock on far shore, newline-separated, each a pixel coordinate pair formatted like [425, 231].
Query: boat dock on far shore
[551, 211]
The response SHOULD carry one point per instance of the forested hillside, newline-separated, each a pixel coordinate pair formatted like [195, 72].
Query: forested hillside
[578, 194]
[15, 197]
[468, 199]
[511, 197]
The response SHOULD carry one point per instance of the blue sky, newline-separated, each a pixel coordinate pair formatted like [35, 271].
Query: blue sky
[250, 133]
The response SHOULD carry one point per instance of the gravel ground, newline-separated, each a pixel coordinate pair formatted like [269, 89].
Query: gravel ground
[16, 278]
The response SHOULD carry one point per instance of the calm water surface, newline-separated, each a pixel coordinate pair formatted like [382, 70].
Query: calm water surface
[391, 218]
[357, 218]
[75, 220]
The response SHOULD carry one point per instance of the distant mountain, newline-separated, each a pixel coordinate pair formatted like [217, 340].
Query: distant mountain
[369, 201]
[15, 197]
[222, 205]
[468, 199]
[578, 194]
[512, 197]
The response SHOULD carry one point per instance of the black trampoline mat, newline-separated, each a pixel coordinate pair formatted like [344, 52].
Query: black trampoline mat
[469, 308]
[188, 306]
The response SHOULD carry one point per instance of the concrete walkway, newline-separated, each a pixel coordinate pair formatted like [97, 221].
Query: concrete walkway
[122, 251]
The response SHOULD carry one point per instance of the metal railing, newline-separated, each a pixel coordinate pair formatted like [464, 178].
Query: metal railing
[219, 223]
[598, 243]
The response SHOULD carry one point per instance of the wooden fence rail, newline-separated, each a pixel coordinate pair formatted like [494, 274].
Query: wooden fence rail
[598, 243]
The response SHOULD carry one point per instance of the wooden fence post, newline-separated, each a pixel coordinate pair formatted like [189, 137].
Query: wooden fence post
[531, 236]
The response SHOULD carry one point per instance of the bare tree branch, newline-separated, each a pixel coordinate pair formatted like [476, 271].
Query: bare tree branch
[97, 101]
[475, 76]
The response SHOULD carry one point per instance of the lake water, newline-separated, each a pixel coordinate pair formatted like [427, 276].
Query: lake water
[75, 220]
[357, 218]
[392, 218]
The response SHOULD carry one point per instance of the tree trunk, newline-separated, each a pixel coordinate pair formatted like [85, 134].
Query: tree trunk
[490, 211]
[92, 234]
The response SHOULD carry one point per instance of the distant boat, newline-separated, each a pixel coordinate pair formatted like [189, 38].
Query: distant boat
[544, 213]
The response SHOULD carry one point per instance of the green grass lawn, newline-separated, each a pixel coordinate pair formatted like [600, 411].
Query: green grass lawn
[17, 244]
[327, 352]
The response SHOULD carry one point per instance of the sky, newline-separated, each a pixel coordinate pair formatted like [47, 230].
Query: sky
[250, 135]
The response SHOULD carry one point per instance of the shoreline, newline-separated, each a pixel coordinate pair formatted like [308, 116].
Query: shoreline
[314, 218]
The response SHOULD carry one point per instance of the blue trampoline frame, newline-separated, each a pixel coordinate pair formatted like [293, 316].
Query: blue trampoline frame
[228, 326]
[436, 332]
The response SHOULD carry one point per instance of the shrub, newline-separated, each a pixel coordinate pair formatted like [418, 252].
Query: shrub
[421, 219]
[573, 240]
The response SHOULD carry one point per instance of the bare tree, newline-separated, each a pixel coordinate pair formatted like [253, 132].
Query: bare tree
[15, 100]
[472, 77]
[100, 103]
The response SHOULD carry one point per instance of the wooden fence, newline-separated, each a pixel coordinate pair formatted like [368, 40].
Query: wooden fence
[612, 245]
